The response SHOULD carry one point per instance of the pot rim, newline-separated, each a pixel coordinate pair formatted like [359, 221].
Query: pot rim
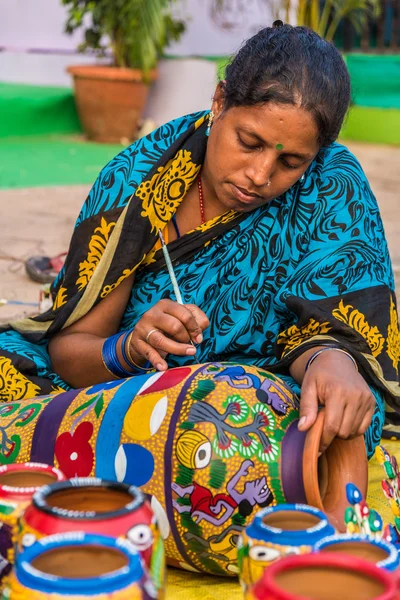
[34, 578]
[390, 563]
[257, 529]
[109, 73]
[338, 561]
[7, 491]
[39, 499]
[351, 466]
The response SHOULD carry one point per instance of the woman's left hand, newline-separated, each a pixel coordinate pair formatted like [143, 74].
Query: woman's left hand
[332, 381]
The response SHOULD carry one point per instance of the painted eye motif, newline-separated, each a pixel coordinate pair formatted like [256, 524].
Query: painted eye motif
[203, 455]
[28, 540]
[141, 537]
[263, 554]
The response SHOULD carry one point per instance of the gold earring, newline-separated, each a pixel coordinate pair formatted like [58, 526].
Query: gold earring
[210, 122]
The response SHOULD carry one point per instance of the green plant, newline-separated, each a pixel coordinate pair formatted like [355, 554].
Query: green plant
[136, 31]
[324, 17]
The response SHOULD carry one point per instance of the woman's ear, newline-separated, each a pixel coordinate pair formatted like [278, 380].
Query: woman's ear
[218, 100]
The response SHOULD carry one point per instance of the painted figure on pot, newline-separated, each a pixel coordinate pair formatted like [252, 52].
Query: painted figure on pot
[209, 444]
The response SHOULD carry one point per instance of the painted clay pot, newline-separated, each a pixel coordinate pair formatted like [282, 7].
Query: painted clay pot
[98, 507]
[79, 565]
[211, 444]
[17, 485]
[379, 552]
[327, 576]
[277, 532]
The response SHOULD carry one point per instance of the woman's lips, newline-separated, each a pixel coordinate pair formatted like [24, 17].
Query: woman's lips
[245, 196]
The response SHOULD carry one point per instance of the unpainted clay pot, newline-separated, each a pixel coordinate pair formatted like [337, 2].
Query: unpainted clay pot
[324, 577]
[276, 532]
[17, 485]
[79, 565]
[110, 101]
[379, 552]
[97, 507]
[210, 444]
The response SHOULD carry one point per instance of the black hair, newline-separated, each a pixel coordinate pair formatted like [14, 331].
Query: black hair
[291, 65]
[245, 508]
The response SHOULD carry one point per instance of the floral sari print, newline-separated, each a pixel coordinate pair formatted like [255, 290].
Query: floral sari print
[310, 268]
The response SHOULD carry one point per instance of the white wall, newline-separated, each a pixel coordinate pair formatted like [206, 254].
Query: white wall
[37, 51]
[39, 24]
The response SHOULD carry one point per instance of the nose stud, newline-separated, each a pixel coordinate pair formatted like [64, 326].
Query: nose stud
[268, 182]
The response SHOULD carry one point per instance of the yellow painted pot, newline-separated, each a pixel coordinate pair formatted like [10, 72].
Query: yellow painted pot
[210, 445]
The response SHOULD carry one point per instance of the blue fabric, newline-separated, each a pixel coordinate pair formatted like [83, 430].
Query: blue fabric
[312, 262]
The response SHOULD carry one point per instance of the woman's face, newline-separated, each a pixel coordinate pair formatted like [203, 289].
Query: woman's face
[249, 146]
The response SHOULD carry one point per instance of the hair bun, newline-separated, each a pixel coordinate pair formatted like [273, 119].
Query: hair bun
[277, 23]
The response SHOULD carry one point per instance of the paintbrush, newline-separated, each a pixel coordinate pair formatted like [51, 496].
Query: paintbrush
[172, 277]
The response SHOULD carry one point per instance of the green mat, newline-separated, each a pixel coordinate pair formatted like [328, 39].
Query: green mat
[51, 160]
[36, 110]
[375, 80]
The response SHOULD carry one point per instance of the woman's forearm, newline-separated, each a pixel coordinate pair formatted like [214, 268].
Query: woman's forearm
[77, 359]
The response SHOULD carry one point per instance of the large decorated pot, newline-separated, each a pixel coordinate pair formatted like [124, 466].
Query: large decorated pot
[18, 483]
[99, 507]
[79, 565]
[327, 576]
[210, 444]
[277, 532]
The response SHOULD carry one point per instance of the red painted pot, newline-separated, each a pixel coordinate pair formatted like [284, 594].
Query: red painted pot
[96, 506]
[18, 483]
[329, 576]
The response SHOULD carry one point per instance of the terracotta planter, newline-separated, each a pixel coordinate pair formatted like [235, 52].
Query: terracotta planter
[17, 485]
[277, 532]
[78, 565]
[211, 444]
[110, 101]
[97, 507]
[327, 576]
[379, 552]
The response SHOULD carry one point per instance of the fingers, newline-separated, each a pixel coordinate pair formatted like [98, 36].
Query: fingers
[366, 422]
[353, 415]
[334, 412]
[308, 404]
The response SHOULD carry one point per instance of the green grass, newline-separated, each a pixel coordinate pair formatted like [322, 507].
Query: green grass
[51, 160]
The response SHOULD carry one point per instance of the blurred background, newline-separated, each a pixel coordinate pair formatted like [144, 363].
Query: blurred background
[81, 79]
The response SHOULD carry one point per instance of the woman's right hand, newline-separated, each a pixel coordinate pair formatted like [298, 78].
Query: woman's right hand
[167, 328]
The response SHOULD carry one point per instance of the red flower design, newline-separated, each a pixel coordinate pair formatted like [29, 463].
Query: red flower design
[74, 453]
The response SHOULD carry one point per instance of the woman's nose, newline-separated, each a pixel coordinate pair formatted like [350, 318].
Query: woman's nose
[260, 170]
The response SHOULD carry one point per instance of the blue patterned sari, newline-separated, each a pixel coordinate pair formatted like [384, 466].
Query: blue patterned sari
[309, 268]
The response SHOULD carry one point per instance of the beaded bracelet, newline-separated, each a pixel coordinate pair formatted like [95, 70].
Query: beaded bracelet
[110, 358]
[125, 348]
[318, 352]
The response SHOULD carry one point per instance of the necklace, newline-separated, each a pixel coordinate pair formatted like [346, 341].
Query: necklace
[201, 201]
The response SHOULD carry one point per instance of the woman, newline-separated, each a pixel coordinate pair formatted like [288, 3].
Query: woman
[276, 240]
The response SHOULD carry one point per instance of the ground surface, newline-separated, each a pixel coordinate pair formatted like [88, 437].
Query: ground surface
[39, 220]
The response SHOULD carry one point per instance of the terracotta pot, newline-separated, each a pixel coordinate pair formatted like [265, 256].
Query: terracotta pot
[78, 565]
[277, 532]
[97, 507]
[324, 576]
[110, 101]
[211, 444]
[379, 552]
[17, 485]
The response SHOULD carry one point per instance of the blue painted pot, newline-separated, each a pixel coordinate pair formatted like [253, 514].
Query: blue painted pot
[78, 564]
[276, 532]
[380, 552]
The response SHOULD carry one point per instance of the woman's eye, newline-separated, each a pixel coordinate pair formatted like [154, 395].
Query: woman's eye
[245, 145]
[289, 166]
